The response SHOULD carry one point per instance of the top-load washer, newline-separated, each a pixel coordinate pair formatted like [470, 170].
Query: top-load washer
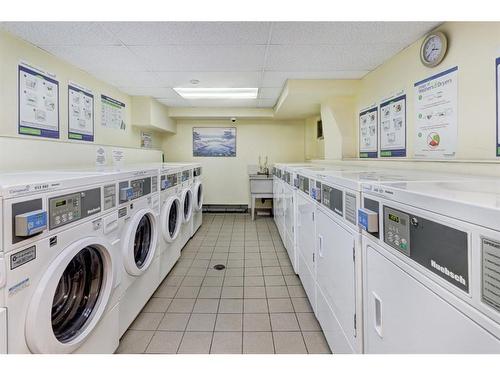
[170, 218]
[278, 211]
[59, 272]
[334, 255]
[431, 267]
[197, 198]
[138, 214]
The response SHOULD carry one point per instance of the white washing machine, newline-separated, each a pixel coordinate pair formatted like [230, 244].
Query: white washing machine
[278, 211]
[170, 219]
[186, 197]
[197, 198]
[138, 212]
[431, 267]
[59, 275]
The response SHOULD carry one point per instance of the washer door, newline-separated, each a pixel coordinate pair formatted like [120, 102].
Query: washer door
[198, 196]
[71, 297]
[187, 205]
[140, 242]
[171, 219]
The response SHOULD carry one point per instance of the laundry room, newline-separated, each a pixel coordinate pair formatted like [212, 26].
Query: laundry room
[252, 189]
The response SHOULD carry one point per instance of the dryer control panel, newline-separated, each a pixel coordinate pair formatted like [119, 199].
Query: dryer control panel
[69, 208]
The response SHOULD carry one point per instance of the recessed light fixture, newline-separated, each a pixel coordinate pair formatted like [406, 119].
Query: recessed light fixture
[217, 93]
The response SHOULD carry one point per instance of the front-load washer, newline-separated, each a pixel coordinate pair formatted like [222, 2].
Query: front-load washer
[170, 219]
[186, 197]
[138, 214]
[59, 274]
[197, 198]
[431, 275]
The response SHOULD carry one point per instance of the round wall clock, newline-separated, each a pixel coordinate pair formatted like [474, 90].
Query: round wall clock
[433, 49]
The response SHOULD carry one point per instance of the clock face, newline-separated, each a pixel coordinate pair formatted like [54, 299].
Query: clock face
[433, 49]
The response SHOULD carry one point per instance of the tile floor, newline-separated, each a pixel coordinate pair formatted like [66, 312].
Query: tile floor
[256, 305]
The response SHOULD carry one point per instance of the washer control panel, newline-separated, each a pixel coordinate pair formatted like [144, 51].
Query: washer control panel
[286, 177]
[304, 184]
[134, 189]
[197, 172]
[186, 175]
[168, 181]
[333, 199]
[69, 208]
[397, 230]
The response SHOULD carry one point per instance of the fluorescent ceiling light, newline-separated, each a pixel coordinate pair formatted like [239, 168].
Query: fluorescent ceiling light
[217, 93]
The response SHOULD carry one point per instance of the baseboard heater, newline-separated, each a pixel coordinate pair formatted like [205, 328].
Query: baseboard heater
[221, 208]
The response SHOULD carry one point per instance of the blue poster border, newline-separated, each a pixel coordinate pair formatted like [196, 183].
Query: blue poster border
[75, 136]
[401, 152]
[368, 154]
[32, 130]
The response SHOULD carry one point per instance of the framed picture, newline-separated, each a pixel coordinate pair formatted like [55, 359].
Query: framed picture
[214, 142]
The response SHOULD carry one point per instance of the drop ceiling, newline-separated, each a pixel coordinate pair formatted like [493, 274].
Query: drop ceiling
[151, 58]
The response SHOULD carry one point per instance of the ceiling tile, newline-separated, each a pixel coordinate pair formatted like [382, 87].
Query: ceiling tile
[266, 103]
[122, 78]
[92, 58]
[162, 33]
[61, 33]
[269, 92]
[203, 58]
[325, 58]
[348, 33]
[279, 78]
[210, 79]
[170, 102]
[155, 92]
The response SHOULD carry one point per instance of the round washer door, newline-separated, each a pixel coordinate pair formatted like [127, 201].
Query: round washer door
[140, 242]
[187, 205]
[71, 297]
[171, 219]
[198, 196]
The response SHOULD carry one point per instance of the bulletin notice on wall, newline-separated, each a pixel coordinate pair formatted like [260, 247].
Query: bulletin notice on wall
[38, 102]
[393, 126]
[368, 133]
[112, 113]
[436, 110]
[497, 66]
[80, 113]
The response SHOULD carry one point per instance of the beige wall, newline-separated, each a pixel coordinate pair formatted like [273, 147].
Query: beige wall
[226, 179]
[472, 47]
[38, 152]
[314, 147]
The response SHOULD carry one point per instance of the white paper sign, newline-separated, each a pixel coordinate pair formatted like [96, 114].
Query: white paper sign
[100, 157]
[80, 113]
[146, 140]
[368, 133]
[393, 127]
[112, 113]
[118, 157]
[436, 111]
[38, 102]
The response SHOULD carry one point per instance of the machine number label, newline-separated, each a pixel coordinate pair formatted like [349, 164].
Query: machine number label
[22, 257]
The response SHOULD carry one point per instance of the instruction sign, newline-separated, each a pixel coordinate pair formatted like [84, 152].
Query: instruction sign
[393, 127]
[497, 68]
[80, 113]
[436, 109]
[112, 113]
[368, 133]
[38, 102]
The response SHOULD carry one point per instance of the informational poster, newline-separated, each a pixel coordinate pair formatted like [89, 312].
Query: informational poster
[38, 102]
[80, 113]
[112, 113]
[436, 110]
[497, 66]
[393, 126]
[146, 140]
[368, 133]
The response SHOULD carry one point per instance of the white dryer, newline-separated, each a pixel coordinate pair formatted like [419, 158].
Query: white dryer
[59, 274]
[431, 267]
[170, 219]
[197, 198]
[138, 214]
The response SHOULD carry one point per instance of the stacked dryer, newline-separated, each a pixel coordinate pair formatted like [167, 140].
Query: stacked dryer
[59, 269]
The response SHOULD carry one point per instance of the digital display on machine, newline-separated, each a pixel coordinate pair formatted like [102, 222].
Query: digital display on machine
[61, 203]
[394, 218]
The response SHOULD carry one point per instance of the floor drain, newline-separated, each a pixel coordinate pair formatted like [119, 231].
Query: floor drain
[219, 267]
